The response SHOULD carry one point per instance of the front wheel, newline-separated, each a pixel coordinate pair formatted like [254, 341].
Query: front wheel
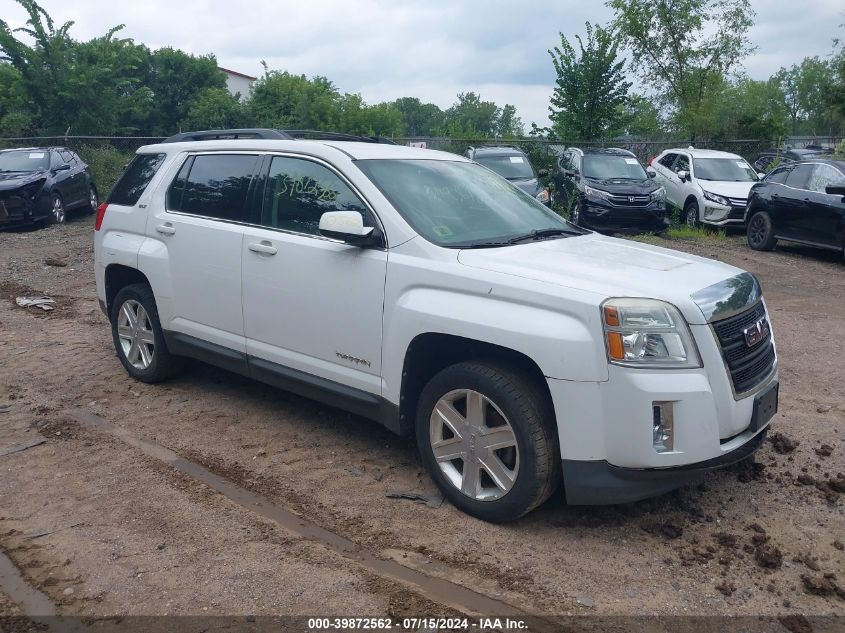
[487, 436]
[93, 200]
[138, 337]
[691, 214]
[760, 232]
[57, 210]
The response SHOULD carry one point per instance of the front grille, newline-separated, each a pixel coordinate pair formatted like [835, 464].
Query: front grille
[12, 207]
[748, 366]
[738, 206]
[629, 201]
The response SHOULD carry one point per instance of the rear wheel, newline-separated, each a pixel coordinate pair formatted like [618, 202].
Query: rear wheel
[760, 232]
[138, 337]
[93, 199]
[691, 214]
[486, 435]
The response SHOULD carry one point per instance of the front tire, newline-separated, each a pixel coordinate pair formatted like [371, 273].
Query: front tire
[486, 434]
[691, 214]
[93, 200]
[760, 233]
[138, 337]
[58, 215]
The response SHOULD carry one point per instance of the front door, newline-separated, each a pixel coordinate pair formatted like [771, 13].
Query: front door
[311, 304]
[824, 210]
[200, 232]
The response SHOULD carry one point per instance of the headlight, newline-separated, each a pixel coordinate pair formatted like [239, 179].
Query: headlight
[596, 193]
[543, 196]
[658, 194]
[714, 197]
[647, 333]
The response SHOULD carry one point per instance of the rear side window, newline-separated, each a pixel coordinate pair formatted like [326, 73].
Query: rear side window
[135, 179]
[799, 177]
[213, 186]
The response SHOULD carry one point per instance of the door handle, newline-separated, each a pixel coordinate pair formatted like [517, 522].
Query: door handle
[264, 247]
[166, 229]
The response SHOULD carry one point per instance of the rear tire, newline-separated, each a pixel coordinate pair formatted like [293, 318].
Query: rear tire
[760, 233]
[93, 200]
[497, 456]
[138, 337]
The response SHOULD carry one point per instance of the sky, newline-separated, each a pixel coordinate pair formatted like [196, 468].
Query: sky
[430, 49]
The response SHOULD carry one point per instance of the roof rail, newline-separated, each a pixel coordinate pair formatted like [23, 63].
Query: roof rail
[213, 135]
[320, 135]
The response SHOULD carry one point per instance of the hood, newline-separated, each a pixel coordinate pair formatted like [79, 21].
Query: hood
[727, 188]
[531, 186]
[13, 180]
[622, 186]
[608, 267]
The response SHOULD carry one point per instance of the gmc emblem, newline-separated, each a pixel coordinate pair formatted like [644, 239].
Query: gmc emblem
[756, 333]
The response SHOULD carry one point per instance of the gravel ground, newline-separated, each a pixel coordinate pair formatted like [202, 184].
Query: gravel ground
[104, 528]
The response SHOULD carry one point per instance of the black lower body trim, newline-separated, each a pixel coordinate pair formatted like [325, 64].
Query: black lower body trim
[600, 483]
[332, 393]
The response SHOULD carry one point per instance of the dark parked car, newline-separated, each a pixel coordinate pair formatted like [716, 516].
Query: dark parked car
[512, 163]
[765, 160]
[800, 202]
[41, 184]
[608, 190]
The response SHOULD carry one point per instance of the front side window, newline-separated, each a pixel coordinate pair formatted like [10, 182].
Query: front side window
[213, 186]
[135, 179]
[460, 205]
[778, 175]
[24, 160]
[682, 163]
[514, 167]
[824, 175]
[299, 191]
[799, 177]
[724, 169]
[668, 160]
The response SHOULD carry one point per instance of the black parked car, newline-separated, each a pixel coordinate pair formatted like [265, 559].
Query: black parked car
[513, 164]
[800, 202]
[608, 190]
[41, 184]
[766, 159]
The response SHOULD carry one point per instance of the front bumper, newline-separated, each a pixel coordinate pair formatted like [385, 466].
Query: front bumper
[601, 483]
[720, 215]
[606, 217]
[17, 211]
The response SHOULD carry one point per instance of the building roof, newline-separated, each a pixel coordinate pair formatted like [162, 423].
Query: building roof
[236, 73]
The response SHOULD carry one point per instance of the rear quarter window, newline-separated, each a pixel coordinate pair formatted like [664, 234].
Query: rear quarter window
[135, 179]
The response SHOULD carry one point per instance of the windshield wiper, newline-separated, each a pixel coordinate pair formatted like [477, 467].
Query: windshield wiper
[539, 234]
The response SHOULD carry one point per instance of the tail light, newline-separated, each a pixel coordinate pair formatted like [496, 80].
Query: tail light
[101, 213]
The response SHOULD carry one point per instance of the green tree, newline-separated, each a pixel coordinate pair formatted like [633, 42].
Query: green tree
[286, 101]
[590, 85]
[638, 117]
[470, 117]
[214, 108]
[419, 119]
[684, 49]
[749, 109]
[509, 124]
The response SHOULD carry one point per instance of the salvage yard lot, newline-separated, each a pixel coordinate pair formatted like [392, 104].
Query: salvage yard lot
[103, 524]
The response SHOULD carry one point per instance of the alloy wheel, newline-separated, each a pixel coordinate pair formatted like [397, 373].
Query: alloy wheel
[692, 216]
[58, 210]
[474, 445]
[757, 230]
[92, 198]
[135, 333]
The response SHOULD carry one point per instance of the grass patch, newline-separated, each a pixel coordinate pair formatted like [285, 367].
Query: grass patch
[698, 234]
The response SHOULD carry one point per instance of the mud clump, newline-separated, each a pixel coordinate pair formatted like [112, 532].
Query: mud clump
[796, 623]
[837, 484]
[747, 471]
[726, 540]
[726, 587]
[667, 529]
[768, 556]
[825, 450]
[782, 444]
[824, 586]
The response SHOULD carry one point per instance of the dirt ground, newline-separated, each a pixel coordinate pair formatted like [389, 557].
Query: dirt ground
[102, 521]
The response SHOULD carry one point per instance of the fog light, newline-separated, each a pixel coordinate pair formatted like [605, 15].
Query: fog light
[715, 213]
[663, 418]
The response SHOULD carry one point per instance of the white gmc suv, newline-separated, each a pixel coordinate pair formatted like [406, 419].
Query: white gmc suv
[424, 291]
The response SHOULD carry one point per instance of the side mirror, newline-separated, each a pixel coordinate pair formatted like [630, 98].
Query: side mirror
[543, 173]
[62, 167]
[683, 175]
[649, 171]
[836, 190]
[761, 175]
[347, 226]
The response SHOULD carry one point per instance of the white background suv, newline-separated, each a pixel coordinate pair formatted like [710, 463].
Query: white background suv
[710, 187]
[423, 291]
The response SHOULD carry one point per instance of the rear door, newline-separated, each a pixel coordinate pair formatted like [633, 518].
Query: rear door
[822, 221]
[311, 304]
[77, 177]
[793, 204]
[198, 228]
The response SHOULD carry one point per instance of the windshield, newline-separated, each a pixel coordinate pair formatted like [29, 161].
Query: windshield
[457, 204]
[728, 169]
[24, 160]
[511, 167]
[607, 167]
